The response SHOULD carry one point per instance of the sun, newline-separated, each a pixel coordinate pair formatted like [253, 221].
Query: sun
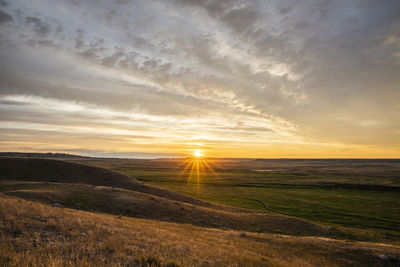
[197, 166]
[198, 153]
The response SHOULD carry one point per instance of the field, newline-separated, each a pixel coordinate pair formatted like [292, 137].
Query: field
[164, 212]
[356, 193]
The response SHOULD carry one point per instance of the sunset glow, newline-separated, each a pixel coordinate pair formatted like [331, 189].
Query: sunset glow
[198, 153]
[157, 79]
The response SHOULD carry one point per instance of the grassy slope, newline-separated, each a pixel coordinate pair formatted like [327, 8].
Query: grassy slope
[38, 235]
[37, 169]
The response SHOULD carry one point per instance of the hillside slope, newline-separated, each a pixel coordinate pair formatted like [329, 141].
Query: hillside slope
[34, 234]
[57, 171]
[136, 204]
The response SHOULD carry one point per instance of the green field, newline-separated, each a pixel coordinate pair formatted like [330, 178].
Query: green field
[362, 195]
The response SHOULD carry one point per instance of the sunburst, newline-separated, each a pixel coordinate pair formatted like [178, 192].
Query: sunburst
[198, 153]
[197, 165]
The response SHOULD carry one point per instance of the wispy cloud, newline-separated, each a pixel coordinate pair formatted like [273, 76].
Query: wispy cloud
[232, 75]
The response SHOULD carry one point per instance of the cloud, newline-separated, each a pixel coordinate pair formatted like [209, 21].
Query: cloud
[115, 154]
[257, 71]
[214, 8]
[39, 27]
[4, 17]
[241, 18]
[234, 14]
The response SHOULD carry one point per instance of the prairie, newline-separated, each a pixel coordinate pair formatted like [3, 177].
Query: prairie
[34, 234]
[356, 193]
[153, 213]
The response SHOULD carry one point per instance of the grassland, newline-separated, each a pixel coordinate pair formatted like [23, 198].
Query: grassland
[34, 234]
[361, 194]
[99, 190]
[151, 213]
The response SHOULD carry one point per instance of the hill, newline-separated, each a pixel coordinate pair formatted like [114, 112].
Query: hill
[57, 171]
[95, 189]
[34, 234]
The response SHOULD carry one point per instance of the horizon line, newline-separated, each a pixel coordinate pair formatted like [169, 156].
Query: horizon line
[185, 157]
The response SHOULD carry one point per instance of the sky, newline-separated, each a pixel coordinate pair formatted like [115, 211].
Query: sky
[231, 78]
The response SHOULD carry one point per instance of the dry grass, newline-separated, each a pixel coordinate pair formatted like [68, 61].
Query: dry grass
[34, 234]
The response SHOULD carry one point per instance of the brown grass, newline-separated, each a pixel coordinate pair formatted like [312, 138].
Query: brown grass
[34, 234]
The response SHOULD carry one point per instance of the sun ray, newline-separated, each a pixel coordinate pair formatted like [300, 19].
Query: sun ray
[201, 166]
[197, 170]
[186, 167]
[217, 166]
[198, 175]
[183, 163]
[192, 170]
[198, 167]
[210, 168]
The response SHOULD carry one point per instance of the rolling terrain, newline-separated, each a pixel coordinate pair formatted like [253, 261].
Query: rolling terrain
[35, 234]
[356, 193]
[112, 218]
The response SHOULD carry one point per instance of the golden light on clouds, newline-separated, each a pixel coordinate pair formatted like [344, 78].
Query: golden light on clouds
[226, 81]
